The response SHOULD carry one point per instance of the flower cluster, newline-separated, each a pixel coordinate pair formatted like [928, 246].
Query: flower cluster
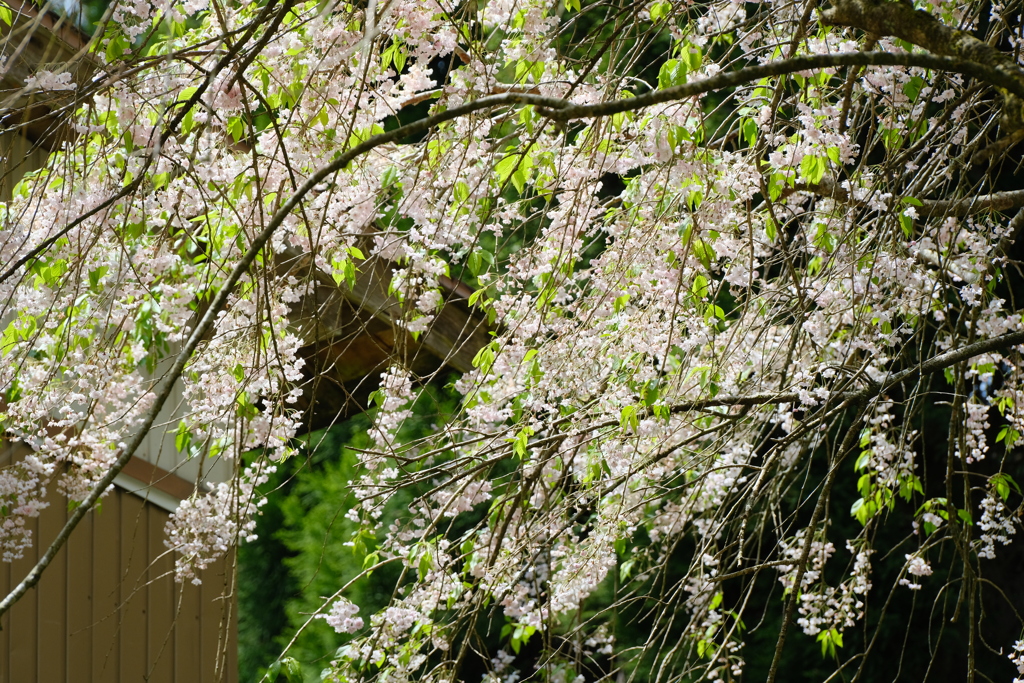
[997, 524]
[1017, 658]
[916, 567]
[206, 526]
[343, 616]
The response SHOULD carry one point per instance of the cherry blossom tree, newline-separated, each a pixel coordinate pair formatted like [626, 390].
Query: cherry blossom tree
[738, 286]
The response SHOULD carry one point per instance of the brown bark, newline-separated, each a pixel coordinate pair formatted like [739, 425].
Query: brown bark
[886, 18]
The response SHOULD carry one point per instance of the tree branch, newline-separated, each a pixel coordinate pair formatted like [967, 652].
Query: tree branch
[902, 21]
[967, 206]
[207, 321]
[555, 108]
[730, 79]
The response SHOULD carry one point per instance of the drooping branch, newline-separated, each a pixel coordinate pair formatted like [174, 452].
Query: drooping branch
[171, 129]
[206, 324]
[562, 110]
[555, 108]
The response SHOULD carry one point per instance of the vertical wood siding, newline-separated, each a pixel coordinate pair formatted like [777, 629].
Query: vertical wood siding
[107, 610]
[19, 156]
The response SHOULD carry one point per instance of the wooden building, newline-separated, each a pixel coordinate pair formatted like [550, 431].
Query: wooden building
[107, 610]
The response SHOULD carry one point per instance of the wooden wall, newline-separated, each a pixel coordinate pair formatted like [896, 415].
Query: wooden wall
[20, 155]
[107, 610]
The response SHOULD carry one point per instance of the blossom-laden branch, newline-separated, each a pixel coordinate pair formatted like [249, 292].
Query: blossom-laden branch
[563, 110]
[1013, 83]
[967, 206]
[681, 339]
[206, 324]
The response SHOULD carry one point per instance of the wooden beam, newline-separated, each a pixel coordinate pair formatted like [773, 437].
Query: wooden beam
[352, 334]
[39, 41]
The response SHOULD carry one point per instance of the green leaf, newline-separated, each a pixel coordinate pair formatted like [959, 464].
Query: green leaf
[912, 88]
[863, 510]
[628, 418]
[370, 560]
[390, 177]
[476, 296]
[863, 460]
[706, 648]
[116, 48]
[813, 168]
[505, 168]
[693, 57]
[830, 641]
[714, 311]
[659, 10]
[650, 394]
[484, 358]
[749, 131]
[182, 438]
[96, 274]
[291, 669]
[704, 253]
[522, 441]
[1002, 483]
[236, 128]
[426, 563]
[891, 138]
[1008, 434]
[907, 225]
[672, 73]
[700, 287]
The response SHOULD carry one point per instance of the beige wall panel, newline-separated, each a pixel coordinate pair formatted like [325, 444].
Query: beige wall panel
[134, 589]
[106, 584]
[5, 627]
[187, 631]
[160, 636]
[219, 634]
[53, 598]
[24, 618]
[107, 610]
[80, 603]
